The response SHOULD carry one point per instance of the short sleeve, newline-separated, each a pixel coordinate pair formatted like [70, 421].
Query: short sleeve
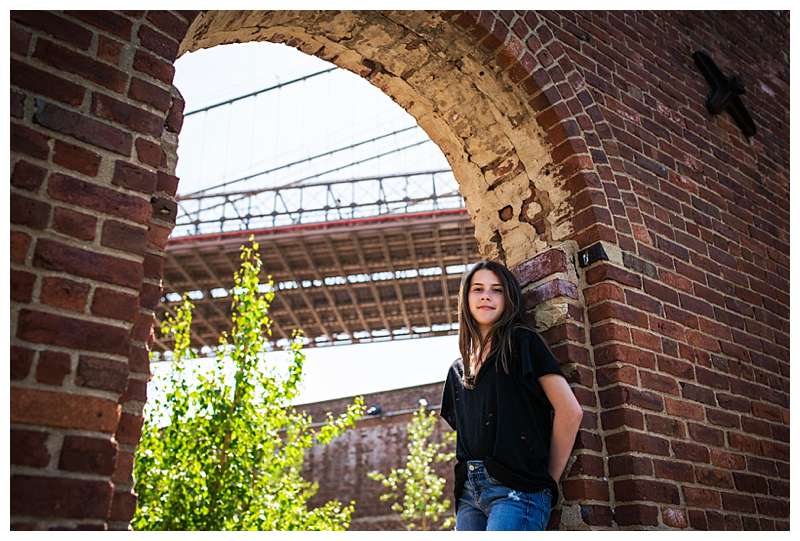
[536, 358]
[447, 411]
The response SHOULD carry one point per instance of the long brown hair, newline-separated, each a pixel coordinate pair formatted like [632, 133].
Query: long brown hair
[501, 333]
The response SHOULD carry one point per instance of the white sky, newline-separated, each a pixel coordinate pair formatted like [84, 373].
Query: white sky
[281, 126]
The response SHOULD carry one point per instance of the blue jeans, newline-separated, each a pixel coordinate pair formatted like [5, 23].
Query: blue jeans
[485, 504]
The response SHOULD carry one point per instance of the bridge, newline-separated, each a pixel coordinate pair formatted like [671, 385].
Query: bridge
[353, 259]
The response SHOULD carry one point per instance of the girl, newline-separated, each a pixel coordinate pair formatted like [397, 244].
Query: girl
[515, 416]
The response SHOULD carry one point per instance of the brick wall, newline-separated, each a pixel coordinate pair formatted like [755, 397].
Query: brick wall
[676, 345]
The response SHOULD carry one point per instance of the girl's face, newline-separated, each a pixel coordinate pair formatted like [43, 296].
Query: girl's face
[486, 298]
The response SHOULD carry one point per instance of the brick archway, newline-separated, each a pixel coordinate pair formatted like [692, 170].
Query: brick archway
[536, 136]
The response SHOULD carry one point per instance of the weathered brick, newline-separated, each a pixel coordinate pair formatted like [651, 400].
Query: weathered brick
[89, 455]
[76, 158]
[30, 142]
[130, 429]
[550, 262]
[22, 285]
[167, 183]
[63, 293]
[49, 497]
[158, 43]
[105, 374]
[168, 23]
[29, 448]
[82, 128]
[46, 84]
[98, 198]
[109, 50]
[149, 153]
[52, 367]
[51, 23]
[107, 21]
[62, 410]
[69, 61]
[114, 304]
[134, 178]
[21, 361]
[75, 224]
[156, 67]
[124, 237]
[29, 212]
[135, 391]
[46, 328]
[131, 117]
[641, 489]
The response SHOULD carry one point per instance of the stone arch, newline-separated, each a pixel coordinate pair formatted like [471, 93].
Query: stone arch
[493, 92]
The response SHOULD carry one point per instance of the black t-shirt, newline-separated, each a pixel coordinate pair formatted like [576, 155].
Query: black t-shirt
[506, 420]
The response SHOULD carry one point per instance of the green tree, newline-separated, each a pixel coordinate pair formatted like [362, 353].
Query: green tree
[225, 452]
[415, 490]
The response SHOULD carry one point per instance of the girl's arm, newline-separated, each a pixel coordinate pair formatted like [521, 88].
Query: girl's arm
[567, 420]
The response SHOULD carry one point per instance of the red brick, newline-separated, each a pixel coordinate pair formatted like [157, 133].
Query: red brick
[83, 128]
[674, 518]
[679, 369]
[624, 442]
[746, 482]
[738, 502]
[63, 293]
[658, 382]
[98, 198]
[135, 178]
[27, 176]
[131, 117]
[714, 477]
[30, 142]
[589, 465]
[62, 410]
[75, 224]
[168, 23]
[22, 285]
[56, 256]
[627, 464]
[89, 455]
[76, 158]
[123, 473]
[52, 367]
[135, 391]
[150, 296]
[158, 236]
[45, 328]
[20, 242]
[690, 451]
[149, 153]
[727, 460]
[665, 425]
[17, 103]
[142, 328]
[540, 266]
[109, 50]
[50, 497]
[151, 65]
[158, 43]
[104, 374]
[114, 305]
[50, 23]
[107, 21]
[167, 183]
[29, 212]
[641, 489]
[20, 40]
[124, 237]
[150, 94]
[130, 429]
[175, 116]
[722, 418]
[612, 310]
[123, 506]
[702, 497]
[622, 417]
[624, 354]
[21, 360]
[676, 471]
[744, 443]
[46, 84]
[706, 434]
[636, 515]
[139, 361]
[29, 448]
[68, 61]
[585, 489]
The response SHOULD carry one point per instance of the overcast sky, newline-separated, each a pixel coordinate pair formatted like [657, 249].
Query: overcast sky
[282, 126]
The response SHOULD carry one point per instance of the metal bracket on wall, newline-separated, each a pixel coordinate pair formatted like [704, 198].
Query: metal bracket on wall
[593, 253]
[725, 92]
